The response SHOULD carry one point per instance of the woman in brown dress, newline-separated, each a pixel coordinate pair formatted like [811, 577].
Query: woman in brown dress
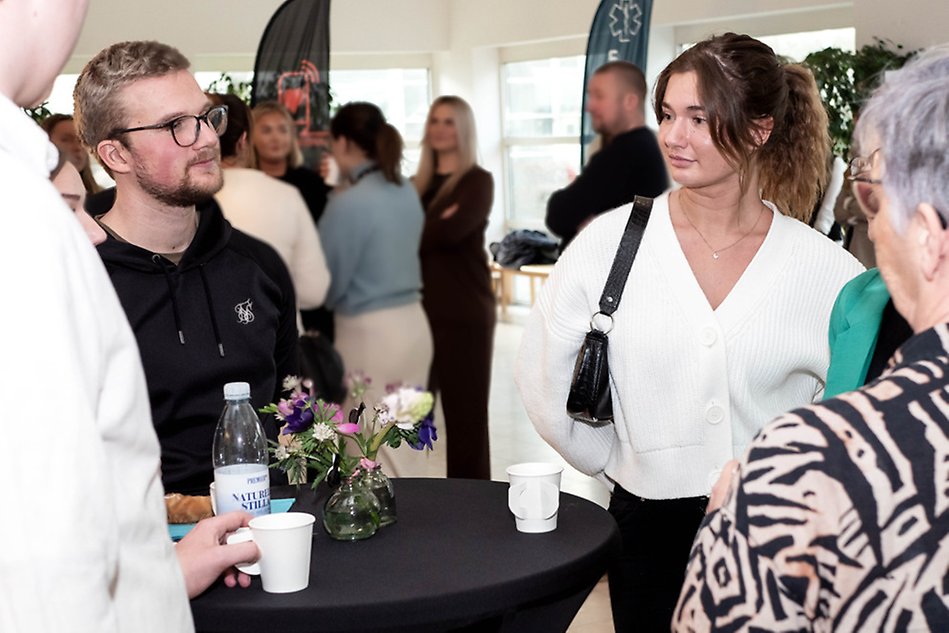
[456, 293]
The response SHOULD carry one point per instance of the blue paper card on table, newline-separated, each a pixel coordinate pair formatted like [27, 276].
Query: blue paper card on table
[178, 530]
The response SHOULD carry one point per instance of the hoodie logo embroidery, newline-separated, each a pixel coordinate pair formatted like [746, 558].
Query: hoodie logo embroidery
[245, 312]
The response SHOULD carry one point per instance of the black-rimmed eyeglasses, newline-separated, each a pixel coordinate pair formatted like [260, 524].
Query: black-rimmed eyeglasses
[864, 187]
[859, 175]
[860, 167]
[186, 129]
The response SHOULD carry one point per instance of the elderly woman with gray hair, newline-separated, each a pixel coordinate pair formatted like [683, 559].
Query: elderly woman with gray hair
[837, 518]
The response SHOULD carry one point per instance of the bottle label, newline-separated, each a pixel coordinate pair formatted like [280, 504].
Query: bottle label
[244, 487]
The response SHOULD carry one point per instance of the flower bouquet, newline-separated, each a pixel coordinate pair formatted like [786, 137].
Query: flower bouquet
[316, 439]
[315, 435]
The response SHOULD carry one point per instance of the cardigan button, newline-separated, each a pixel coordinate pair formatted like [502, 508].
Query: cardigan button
[714, 413]
[708, 336]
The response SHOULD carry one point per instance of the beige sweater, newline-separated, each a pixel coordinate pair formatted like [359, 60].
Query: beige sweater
[274, 212]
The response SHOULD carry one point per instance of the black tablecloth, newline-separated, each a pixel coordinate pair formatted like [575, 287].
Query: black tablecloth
[454, 559]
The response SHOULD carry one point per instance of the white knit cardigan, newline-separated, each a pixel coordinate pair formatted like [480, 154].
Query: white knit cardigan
[691, 386]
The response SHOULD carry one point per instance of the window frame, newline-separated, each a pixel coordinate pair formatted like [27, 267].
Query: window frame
[511, 220]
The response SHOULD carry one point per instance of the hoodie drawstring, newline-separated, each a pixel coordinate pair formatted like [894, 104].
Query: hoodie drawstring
[207, 295]
[158, 259]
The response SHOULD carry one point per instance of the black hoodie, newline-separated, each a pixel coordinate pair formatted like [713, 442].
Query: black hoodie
[225, 313]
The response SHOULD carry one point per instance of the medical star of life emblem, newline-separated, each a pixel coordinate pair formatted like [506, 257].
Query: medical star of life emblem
[625, 20]
[245, 312]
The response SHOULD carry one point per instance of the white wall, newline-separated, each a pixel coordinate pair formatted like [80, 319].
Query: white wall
[912, 23]
[224, 34]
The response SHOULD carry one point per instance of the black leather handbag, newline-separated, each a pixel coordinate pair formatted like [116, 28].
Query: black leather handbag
[589, 399]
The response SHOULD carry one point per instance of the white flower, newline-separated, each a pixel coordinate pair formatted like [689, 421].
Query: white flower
[407, 406]
[324, 432]
[291, 383]
[382, 413]
[281, 453]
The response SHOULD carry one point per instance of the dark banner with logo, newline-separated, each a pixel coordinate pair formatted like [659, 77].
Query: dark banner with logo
[620, 30]
[292, 67]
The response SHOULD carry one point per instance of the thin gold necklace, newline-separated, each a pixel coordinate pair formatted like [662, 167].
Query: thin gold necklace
[717, 252]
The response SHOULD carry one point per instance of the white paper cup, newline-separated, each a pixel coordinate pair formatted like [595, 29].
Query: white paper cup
[284, 541]
[239, 536]
[213, 499]
[332, 171]
[534, 496]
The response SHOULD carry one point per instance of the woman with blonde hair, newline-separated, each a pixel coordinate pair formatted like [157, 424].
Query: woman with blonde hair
[723, 321]
[457, 296]
[276, 152]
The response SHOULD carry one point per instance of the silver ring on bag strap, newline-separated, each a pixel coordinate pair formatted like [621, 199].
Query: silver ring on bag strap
[594, 327]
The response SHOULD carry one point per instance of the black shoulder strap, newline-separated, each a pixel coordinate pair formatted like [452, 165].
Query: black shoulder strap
[625, 254]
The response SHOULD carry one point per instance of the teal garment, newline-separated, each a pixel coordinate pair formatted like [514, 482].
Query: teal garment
[854, 328]
[370, 235]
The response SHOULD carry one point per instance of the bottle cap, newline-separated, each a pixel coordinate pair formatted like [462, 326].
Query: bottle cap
[236, 391]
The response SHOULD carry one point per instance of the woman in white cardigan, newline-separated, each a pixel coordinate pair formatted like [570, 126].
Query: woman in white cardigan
[723, 321]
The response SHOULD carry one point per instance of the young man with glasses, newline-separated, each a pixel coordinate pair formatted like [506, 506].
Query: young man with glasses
[208, 304]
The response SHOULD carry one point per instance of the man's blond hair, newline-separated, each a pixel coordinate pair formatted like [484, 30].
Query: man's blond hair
[97, 102]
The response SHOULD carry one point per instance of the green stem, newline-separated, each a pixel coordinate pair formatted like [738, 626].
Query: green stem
[373, 448]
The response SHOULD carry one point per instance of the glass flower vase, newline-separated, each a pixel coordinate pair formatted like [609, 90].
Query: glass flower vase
[381, 486]
[352, 512]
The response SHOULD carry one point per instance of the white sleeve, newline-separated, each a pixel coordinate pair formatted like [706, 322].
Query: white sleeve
[85, 545]
[545, 361]
[825, 214]
[59, 554]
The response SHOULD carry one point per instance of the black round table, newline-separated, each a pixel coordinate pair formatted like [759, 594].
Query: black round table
[454, 561]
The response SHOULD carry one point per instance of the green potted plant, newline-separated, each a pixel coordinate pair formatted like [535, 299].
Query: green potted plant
[226, 84]
[846, 79]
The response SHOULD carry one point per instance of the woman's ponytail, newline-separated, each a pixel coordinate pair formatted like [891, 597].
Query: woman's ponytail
[389, 153]
[364, 124]
[792, 165]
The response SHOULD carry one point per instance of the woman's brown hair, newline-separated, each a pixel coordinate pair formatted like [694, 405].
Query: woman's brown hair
[364, 124]
[745, 88]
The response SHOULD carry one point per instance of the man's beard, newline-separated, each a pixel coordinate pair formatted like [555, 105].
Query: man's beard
[185, 194]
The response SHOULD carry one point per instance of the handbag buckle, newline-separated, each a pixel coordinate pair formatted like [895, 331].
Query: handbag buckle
[594, 326]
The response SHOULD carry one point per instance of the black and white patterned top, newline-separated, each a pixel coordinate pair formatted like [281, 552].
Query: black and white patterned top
[838, 519]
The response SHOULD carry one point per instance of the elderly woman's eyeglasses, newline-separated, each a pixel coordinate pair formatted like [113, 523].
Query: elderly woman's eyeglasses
[186, 129]
[865, 187]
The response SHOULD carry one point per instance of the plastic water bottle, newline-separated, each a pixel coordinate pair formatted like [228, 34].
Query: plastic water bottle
[239, 455]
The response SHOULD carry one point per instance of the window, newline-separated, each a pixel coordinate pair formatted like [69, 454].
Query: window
[222, 81]
[542, 101]
[60, 98]
[797, 46]
[403, 95]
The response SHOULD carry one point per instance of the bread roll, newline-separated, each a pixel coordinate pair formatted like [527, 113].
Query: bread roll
[187, 509]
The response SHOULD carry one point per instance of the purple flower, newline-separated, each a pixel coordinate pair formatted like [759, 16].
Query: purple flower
[284, 408]
[427, 433]
[297, 414]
